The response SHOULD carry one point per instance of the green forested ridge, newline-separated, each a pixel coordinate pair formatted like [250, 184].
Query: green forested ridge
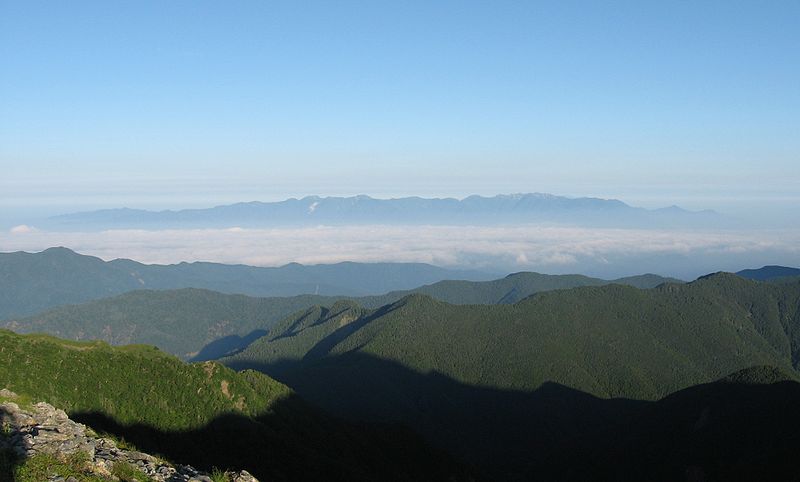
[609, 340]
[510, 289]
[202, 324]
[513, 387]
[521, 390]
[206, 414]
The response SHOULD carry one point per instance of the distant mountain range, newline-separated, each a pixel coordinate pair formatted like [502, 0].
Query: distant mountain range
[768, 273]
[32, 282]
[315, 210]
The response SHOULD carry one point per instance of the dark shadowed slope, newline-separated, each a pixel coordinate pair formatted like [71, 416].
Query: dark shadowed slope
[556, 432]
[743, 427]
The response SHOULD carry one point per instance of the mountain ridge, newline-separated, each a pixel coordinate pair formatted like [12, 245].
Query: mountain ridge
[362, 209]
[510, 386]
[200, 324]
[769, 272]
[32, 282]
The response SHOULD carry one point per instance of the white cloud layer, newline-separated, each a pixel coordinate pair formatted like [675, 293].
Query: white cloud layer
[550, 249]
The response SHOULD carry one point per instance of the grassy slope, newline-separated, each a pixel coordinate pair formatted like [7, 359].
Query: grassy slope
[135, 383]
[205, 413]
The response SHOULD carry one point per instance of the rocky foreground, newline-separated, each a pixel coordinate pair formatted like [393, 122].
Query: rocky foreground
[43, 429]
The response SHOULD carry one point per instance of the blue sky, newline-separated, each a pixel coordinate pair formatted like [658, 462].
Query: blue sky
[171, 104]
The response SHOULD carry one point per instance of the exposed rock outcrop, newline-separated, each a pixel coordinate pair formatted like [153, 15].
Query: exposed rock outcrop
[43, 429]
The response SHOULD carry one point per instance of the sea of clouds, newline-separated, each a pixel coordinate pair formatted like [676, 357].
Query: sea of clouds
[548, 249]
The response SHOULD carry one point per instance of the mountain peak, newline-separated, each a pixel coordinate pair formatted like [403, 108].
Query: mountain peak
[59, 250]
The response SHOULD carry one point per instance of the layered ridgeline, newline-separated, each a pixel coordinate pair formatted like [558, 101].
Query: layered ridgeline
[770, 273]
[191, 323]
[208, 415]
[493, 383]
[315, 210]
[32, 282]
[202, 325]
[510, 289]
[608, 340]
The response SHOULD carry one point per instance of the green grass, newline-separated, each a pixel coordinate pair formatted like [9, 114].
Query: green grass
[134, 384]
[126, 472]
[218, 475]
[41, 467]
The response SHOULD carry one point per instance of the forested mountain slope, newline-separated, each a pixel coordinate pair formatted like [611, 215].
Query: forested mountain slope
[609, 340]
[510, 289]
[201, 324]
[495, 384]
[182, 322]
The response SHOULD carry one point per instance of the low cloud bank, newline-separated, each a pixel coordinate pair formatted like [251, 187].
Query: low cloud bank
[549, 249]
[22, 229]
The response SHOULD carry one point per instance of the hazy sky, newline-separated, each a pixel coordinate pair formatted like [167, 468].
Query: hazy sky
[171, 104]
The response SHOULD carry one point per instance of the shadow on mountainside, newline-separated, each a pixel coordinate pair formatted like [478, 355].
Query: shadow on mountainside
[293, 442]
[226, 346]
[7, 459]
[718, 431]
[732, 430]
